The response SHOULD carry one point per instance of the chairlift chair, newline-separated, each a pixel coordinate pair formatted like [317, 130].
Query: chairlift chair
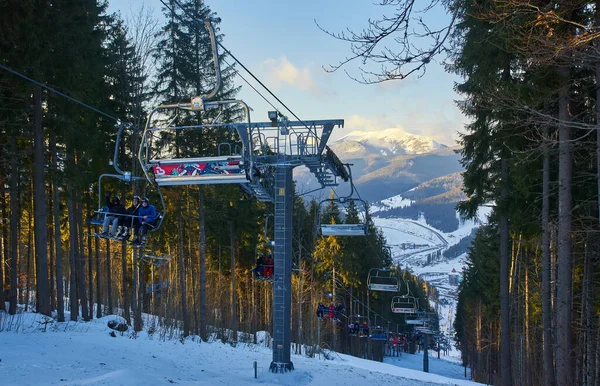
[379, 333]
[404, 304]
[383, 279]
[359, 229]
[166, 167]
[123, 176]
[361, 319]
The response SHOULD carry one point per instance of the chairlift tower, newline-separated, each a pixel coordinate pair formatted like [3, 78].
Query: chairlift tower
[282, 146]
[261, 162]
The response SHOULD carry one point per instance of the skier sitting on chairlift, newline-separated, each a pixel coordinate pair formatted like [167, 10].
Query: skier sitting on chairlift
[269, 266]
[115, 208]
[146, 216]
[321, 310]
[129, 222]
[259, 270]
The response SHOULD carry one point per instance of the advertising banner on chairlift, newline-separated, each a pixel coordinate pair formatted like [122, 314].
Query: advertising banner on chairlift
[398, 310]
[198, 169]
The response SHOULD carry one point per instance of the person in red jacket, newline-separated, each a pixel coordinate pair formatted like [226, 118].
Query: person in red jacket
[269, 266]
[331, 312]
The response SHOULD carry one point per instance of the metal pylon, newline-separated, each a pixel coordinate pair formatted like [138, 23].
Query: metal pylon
[282, 278]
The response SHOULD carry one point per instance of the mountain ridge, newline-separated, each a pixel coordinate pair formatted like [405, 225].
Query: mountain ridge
[393, 141]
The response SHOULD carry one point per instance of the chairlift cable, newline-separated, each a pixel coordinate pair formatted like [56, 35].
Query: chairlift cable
[254, 88]
[55, 91]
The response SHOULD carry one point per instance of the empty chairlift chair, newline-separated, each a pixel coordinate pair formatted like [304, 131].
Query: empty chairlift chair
[404, 304]
[359, 229]
[383, 279]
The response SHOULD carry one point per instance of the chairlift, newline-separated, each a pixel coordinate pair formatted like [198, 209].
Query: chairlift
[123, 176]
[379, 333]
[359, 229]
[383, 279]
[360, 320]
[404, 304]
[417, 319]
[164, 166]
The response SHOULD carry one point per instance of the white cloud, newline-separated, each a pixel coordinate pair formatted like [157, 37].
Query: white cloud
[281, 71]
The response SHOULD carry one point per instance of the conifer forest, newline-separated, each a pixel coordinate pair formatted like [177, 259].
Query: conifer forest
[76, 80]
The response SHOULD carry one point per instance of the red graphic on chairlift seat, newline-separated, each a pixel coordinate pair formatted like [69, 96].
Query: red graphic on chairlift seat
[198, 169]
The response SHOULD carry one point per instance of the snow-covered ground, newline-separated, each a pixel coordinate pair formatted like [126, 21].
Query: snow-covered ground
[86, 354]
[398, 231]
[390, 203]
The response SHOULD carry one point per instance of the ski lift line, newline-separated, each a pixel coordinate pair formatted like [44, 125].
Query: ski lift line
[55, 91]
[253, 88]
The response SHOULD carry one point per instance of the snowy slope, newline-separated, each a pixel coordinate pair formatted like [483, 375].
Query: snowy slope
[85, 354]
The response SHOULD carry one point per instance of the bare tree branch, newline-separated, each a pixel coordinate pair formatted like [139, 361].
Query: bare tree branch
[413, 44]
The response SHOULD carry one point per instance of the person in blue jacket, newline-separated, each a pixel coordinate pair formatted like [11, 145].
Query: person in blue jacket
[146, 218]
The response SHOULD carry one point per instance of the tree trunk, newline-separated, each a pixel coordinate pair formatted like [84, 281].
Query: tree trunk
[234, 316]
[79, 262]
[72, 255]
[30, 246]
[14, 224]
[564, 349]
[546, 280]
[505, 358]
[98, 278]
[60, 296]
[138, 323]
[109, 278]
[202, 295]
[300, 288]
[125, 282]
[90, 270]
[186, 326]
[132, 296]
[41, 235]
[51, 265]
[588, 301]
[3, 242]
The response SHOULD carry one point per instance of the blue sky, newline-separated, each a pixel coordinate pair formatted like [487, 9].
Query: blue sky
[281, 44]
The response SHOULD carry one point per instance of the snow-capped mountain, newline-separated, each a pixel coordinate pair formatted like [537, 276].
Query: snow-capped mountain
[386, 142]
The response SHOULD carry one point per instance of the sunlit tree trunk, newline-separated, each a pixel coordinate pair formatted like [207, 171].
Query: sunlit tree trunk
[125, 283]
[3, 241]
[72, 256]
[14, 224]
[79, 261]
[99, 298]
[109, 277]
